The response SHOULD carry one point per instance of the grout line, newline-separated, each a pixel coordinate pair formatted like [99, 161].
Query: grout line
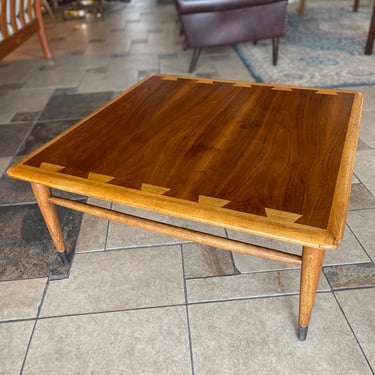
[361, 209]
[34, 327]
[239, 274]
[353, 288]
[172, 305]
[187, 310]
[107, 230]
[111, 311]
[352, 330]
[360, 244]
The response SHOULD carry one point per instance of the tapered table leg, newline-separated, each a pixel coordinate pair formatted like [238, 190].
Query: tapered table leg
[312, 260]
[49, 213]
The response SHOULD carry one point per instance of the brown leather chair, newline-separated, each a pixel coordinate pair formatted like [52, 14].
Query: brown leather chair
[208, 23]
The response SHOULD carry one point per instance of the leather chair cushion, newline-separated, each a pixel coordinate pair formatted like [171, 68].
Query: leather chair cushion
[199, 6]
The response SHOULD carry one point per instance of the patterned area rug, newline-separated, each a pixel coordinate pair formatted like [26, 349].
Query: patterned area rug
[323, 48]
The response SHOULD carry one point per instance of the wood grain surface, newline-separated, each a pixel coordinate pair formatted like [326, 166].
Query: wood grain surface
[277, 152]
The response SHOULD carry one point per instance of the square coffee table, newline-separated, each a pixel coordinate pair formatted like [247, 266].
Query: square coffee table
[273, 161]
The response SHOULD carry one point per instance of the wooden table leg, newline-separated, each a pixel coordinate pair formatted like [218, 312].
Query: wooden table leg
[49, 213]
[371, 34]
[312, 260]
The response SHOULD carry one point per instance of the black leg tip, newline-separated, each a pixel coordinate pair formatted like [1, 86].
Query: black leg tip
[64, 257]
[302, 333]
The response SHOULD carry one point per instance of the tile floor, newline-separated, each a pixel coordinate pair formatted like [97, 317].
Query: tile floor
[141, 303]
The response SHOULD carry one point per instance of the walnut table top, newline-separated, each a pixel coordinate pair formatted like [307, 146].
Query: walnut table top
[271, 160]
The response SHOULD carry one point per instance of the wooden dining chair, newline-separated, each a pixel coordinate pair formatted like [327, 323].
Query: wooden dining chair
[19, 20]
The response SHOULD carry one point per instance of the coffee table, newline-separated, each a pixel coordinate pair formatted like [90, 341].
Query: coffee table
[269, 160]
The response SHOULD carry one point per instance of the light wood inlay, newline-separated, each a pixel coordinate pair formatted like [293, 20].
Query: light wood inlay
[154, 189]
[215, 202]
[99, 177]
[51, 167]
[282, 216]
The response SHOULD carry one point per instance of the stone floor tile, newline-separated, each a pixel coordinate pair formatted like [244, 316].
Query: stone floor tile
[151, 48]
[16, 72]
[246, 263]
[54, 76]
[123, 236]
[11, 137]
[25, 117]
[178, 65]
[21, 299]
[359, 309]
[205, 261]
[108, 48]
[26, 247]
[361, 223]
[362, 145]
[41, 133]
[369, 94]
[367, 131]
[258, 336]
[360, 197]
[109, 80]
[14, 191]
[4, 163]
[151, 341]
[365, 169]
[257, 284]
[14, 338]
[23, 100]
[350, 251]
[93, 232]
[117, 280]
[6, 117]
[83, 61]
[123, 64]
[351, 275]
[75, 106]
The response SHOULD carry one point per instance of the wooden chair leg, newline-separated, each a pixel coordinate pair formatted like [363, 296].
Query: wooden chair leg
[194, 59]
[356, 5]
[275, 50]
[41, 33]
[302, 5]
[371, 34]
[312, 260]
[49, 213]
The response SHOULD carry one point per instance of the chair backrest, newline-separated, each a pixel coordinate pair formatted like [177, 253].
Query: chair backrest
[19, 20]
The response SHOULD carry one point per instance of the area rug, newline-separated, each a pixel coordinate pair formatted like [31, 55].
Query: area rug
[323, 48]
